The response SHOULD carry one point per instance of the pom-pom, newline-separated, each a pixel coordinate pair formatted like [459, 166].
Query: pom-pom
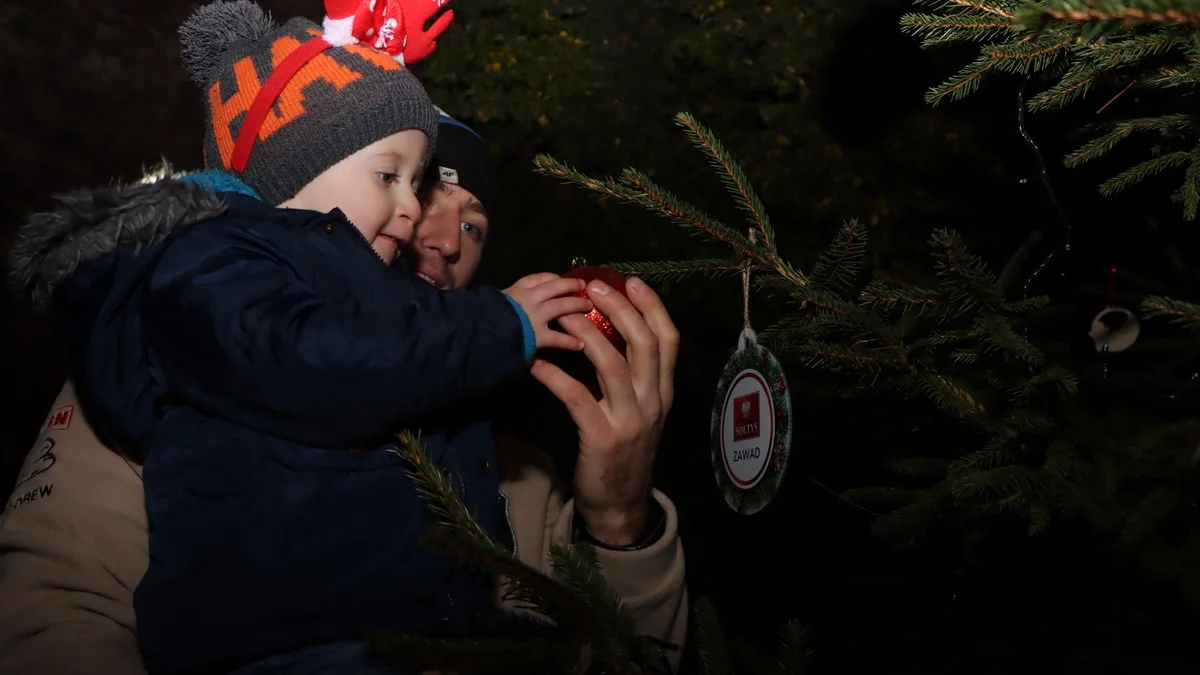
[213, 28]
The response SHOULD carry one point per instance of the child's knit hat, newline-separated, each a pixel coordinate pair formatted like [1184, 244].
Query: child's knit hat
[287, 102]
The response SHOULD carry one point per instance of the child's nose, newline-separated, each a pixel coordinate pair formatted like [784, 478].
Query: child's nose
[408, 212]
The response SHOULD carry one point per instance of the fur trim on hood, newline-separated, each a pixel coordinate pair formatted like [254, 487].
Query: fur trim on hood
[92, 223]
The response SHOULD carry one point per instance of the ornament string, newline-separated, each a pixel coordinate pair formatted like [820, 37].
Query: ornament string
[746, 290]
[1044, 175]
[839, 496]
[1112, 302]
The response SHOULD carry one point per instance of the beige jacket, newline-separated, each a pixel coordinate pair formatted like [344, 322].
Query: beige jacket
[73, 546]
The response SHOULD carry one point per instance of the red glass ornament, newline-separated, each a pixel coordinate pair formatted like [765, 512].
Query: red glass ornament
[577, 364]
[590, 273]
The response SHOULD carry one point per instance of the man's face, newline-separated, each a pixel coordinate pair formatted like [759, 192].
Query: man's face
[447, 243]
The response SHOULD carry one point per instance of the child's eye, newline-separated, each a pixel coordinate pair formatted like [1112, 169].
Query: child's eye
[388, 178]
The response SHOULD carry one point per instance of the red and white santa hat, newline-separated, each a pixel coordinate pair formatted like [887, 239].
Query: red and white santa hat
[339, 20]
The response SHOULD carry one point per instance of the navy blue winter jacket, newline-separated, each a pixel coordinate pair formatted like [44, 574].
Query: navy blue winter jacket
[262, 358]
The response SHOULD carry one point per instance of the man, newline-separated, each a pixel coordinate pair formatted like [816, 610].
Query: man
[73, 535]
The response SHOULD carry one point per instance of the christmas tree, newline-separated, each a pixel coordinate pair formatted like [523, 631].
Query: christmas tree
[1104, 53]
[1082, 48]
[1029, 430]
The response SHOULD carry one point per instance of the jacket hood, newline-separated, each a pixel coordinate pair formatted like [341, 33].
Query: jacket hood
[50, 247]
[84, 263]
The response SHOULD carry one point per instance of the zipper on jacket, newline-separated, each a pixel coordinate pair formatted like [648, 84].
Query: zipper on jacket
[362, 237]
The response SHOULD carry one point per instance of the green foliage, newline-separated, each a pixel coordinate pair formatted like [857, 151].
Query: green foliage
[716, 655]
[1137, 483]
[1078, 49]
[957, 345]
[1182, 313]
[1028, 443]
[557, 72]
[572, 622]
[598, 82]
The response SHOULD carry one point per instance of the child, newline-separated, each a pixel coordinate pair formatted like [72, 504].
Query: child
[253, 338]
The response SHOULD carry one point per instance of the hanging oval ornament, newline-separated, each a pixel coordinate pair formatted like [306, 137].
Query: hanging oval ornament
[751, 431]
[1114, 329]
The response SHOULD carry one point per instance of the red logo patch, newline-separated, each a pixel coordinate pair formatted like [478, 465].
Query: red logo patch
[745, 417]
[60, 418]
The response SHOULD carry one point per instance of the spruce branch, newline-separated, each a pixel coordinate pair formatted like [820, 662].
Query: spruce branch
[936, 30]
[882, 294]
[920, 466]
[732, 175]
[1107, 11]
[580, 602]
[1029, 55]
[966, 280]
[1189, 192]
[1082, 48]
[605, 187]
[792, 654]
[662, 201]
[580, 572]
[964, 83]
[839, 265]
[1001, 8]
[841, 357]
[955, 343]
[437, 491]
[1074, 85]
[712, 646]
[529, 587]
[677, 269]
[1185, 314]
[997, 336]
[1130, 49]
[1025, 305]
[1144, 170]
[909, 521]
[1168, 126]
[638, 189]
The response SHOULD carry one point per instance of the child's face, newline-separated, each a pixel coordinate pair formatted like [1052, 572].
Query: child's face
[376, 189]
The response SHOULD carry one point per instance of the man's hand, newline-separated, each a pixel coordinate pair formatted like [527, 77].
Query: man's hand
[619, 433]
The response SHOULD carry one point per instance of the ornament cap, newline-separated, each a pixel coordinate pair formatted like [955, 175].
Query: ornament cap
[578, 261]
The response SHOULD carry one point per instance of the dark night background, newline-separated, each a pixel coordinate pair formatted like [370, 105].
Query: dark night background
[823, 101]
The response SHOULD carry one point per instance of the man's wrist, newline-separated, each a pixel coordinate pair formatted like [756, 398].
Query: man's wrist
[652, 528]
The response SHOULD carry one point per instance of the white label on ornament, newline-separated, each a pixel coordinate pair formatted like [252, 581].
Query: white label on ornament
[750, 435]
[747, 429]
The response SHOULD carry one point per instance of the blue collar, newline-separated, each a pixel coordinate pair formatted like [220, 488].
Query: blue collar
[219, 181]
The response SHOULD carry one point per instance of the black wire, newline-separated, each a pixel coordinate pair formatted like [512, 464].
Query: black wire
[1065, 247]
[1044, 175]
